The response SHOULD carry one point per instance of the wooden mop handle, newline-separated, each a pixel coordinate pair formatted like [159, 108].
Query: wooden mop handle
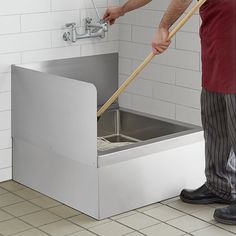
[148, 59]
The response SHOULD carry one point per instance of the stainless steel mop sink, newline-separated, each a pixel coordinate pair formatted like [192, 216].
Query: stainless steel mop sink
[55, 140]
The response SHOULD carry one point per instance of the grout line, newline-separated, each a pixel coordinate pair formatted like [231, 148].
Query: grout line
[161, 221]
[41, 209]
[67, 219]
[162, 100]
[129, 227]
[153, 27]
[3, 92]
[5, 110]
[189, 214]
[5, 149]
[161, 82]
[57, 47]
[2, 130]
[149, 44]
[28, 230]
[162, 65]
[49, 11]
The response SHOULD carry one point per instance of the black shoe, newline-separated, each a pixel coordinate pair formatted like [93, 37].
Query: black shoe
[226, 215]
[201, 195]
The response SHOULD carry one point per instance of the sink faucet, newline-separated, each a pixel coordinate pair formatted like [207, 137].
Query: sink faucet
[70, 36]
[97, 30]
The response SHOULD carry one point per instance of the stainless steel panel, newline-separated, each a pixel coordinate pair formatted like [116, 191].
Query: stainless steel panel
[133, 183]
[66, 180]
[55, 113]
[100, 70]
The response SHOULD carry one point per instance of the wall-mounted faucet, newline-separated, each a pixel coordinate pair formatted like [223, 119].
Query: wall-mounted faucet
[97, 30]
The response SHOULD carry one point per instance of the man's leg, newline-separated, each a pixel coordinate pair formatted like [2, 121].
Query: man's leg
[231, 115]
[217, 149]
[214, 120]
[227, 215]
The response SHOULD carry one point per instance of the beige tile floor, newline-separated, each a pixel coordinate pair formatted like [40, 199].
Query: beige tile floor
[24, 212]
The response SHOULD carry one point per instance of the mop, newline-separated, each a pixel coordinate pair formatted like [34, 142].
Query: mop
[147, 60]
[102, 143]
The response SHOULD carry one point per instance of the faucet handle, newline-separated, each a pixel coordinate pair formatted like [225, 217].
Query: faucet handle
[101, 21]
[70, 25]
[105, 26]
[88, 20]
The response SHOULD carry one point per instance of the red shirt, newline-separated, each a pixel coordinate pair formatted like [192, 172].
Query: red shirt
[218, 37]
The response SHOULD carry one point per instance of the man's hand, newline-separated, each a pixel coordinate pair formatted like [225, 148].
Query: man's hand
[112, 13]
[160, 42]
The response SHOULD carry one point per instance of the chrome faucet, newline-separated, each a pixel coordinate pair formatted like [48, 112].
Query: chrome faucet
[70, 36]
[97, 30]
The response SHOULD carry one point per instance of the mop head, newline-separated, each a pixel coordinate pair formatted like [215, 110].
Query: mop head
[104, 145]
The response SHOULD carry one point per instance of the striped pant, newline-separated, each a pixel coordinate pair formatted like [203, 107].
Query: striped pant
[219, 125]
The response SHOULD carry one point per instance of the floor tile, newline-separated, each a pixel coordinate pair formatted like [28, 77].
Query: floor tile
[149, 207]
[162, 229]
[138, 221]
[134, 234]
[188, 223]
[2, 191]
[111, 228]
[205, 214]
[64, 211]
[21, 208]
[28, 194]
[217, 205]
[86, 221]
[9, 199]
[5, 216]
[40, 218]
[170, 200]
[60, 228]
[13, 226]
[164, 213]
[45, 202]
[124, 215]
[31, 232]
[83, 233]
[11, 186]
[185, 207]
[51, 219]
[231, 228]
[212, 231]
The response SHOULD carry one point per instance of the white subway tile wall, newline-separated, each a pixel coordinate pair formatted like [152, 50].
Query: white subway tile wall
[169, 86]
[31, 30]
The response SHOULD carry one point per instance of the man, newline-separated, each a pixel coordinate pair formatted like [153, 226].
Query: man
[218, 99]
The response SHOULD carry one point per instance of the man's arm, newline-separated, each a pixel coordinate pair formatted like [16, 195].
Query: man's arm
[112, 13]
[172, 14]
[174, 11]
[134, 4]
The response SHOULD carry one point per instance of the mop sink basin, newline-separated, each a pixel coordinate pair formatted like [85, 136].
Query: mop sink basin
[137, 129]
[55, 140]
